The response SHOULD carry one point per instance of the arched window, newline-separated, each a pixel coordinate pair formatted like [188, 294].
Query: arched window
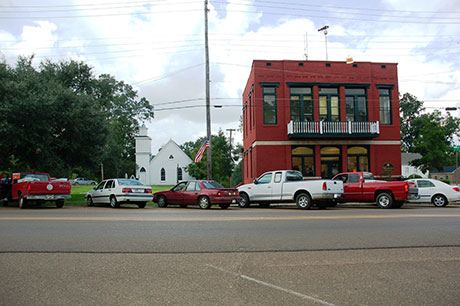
[142, 170]
[358, 159]
[171, 156]
[303, 160]
[179, 173]
[163, 174]
[331, 161]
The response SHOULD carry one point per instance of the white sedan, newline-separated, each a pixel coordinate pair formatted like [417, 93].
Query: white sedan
[119, 191]
[436, 192]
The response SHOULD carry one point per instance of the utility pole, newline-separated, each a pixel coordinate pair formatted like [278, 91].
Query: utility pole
[230, 179]
[208, 103]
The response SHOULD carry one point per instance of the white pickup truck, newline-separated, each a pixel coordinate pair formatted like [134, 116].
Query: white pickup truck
[289, 186]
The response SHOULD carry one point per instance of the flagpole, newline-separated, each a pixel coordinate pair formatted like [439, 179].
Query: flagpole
[208, 103]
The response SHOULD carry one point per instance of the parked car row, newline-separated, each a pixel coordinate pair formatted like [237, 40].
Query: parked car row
[281, 186]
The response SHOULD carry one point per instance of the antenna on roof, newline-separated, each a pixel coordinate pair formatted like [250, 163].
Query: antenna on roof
[305, 50]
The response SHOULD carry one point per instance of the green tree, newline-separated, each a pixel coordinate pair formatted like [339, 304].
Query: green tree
[410, 109]
[60, 118]
[429, 134]
[222, 164]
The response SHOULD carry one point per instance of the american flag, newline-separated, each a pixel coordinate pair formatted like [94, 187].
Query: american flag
[199, 155]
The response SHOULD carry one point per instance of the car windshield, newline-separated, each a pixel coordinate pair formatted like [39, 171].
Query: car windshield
[212, 185]
[129, 182]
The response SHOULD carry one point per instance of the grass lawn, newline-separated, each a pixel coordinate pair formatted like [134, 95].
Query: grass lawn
[79, 192]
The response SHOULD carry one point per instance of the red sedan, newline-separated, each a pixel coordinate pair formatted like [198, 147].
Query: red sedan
[201, 192]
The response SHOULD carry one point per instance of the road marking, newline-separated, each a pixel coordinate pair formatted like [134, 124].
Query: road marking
[225, 218]
[304, 296]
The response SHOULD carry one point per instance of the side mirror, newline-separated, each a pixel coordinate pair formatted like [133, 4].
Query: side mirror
[256, 182]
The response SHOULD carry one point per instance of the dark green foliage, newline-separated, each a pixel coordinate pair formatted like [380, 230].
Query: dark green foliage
[60, 118]
[429, 134]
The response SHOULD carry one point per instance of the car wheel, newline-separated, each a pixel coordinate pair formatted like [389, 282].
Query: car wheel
[114, 202]
[439, 200]
[22, 201]
[398, 204]
[303, 201]
[244, 201]
[89, 201]
[162, 202]
[141, 205]
[264, 205]
[204, 202]
[224, 206]
[384, 200]
[60, 203]
[93, 183]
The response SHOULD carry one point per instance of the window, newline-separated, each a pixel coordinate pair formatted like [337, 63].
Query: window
[179, 173]
[192, 186]
[278, 177]
[424, 184]
[331, 162]
[385, 106]
[142, 170]
[303, 160]
[180, 186]
[110, 184]
[353, 178]
[265, 179]
[301, 104]
[358, 159]
[101, 185]
[250, 111]
[329, 104]
[269, 104]
[356, 104]
[212, 185]
[171, 157]
[163, 174]
[294, 176]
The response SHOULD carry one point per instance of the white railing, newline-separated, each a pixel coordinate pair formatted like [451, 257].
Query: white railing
[326, 127]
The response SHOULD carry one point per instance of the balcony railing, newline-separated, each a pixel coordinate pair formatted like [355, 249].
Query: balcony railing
[325, 129]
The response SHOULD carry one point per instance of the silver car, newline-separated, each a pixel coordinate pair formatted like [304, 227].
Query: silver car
[119, 191]
[436, 192]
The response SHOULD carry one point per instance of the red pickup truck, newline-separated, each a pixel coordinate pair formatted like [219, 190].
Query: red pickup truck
[362, 187]
[26, 187]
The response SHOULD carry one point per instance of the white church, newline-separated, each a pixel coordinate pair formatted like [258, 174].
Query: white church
[168, 167]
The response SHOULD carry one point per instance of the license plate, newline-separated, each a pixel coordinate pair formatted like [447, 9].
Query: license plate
[49, 197]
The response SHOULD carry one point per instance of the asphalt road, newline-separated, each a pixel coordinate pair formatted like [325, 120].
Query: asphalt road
[353, 255]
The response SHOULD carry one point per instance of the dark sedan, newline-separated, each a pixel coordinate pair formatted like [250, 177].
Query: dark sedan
[200, 192]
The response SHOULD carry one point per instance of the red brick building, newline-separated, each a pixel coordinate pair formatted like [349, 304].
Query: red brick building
[321, 118]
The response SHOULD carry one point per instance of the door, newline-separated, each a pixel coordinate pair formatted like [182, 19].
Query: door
[262, 189]
[191, 193]
[175, 196]
[425, 190]
[97, 194]
[352, 187]
[277, 187]
[330, 168]
[107, 191]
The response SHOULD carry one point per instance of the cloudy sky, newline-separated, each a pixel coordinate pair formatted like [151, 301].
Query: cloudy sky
[158, 47]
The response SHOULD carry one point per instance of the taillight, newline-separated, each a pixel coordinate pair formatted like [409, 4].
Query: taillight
[127, 190]
[219, 194]
[28, 187]
[148, 191]
[456, 189]
[324, 186]
[406, 187]
[237, 193]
